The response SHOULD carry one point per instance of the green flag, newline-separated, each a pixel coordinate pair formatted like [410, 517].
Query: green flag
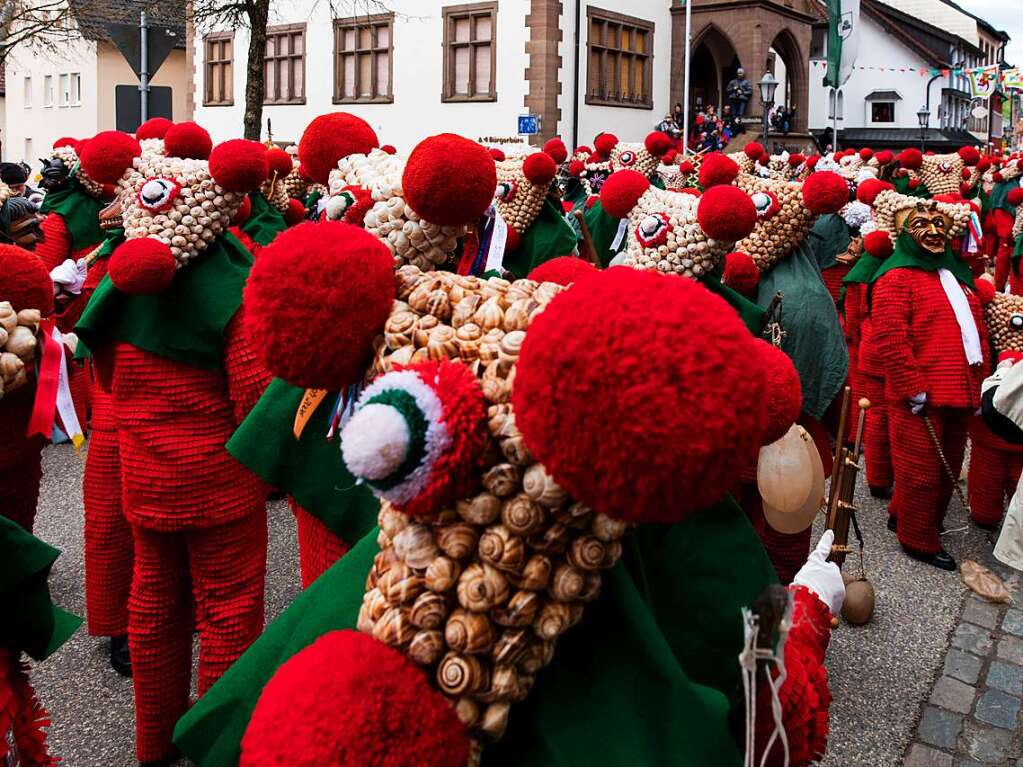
[843, 40]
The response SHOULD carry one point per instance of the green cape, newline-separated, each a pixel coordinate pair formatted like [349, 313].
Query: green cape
[647, 678]
[753, 316]
[909, 255]
[864, 269]
[185, 322]
[264, 222]
[310, 468]
[998, 198]
[33, 623]
[80, 211]
[828, 237]
[603, 228]
[549, 236]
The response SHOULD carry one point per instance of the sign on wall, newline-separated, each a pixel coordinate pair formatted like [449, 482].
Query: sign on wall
[529, 125]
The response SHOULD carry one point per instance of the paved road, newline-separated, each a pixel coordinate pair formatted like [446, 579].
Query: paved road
[881, 674]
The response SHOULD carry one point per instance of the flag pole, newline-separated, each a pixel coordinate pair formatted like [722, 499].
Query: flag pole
[685, 87]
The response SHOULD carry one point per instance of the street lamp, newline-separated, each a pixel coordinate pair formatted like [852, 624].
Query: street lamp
[768, 85]
[923, 116]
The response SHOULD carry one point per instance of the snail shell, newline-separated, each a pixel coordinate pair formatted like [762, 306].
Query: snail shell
[587, 553]
[494, 720]
[481, 588]
[416, 546]
[567, 583]
[502, 549]
[541, 487]
[468, 336]
[398, 329]
[391, 520]
[442, 343]
[614, 553]
[482, 509]
[514, 448]
[8, 317]
[592, 588]
[465, 310]
[607, 529]
[429, 610]
[577, 516]
[502, 480]
[394, 628]
[535, 575]
[490, 344]
[22, 342]
[438, 304]
[522, 515]
[467, 710]
[426, 647]
[442, 575]
[516, 317]
[402, 356]
[424, 327]
[553, 540]
[10, 366]
[375, 605]
[461, 674]
[537, 655]
[553, 620]
[400, 585]
[504, 684]
[30, 318]
[520, 610]
[489, 315]
[407, 277]
[510, 647]
[3, 337]
[457, 541]
[467, 632]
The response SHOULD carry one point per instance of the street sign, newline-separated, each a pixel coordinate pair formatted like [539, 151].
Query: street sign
[529, 125]
[162, 40]
[128, 107]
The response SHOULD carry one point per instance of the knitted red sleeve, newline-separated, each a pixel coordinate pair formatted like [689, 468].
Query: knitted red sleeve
[853, 308]
[246, 377]
[55, 247]
[891, 316]
[1003, 263]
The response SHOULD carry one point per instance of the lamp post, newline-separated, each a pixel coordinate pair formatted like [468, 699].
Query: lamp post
[923, 116]
[768, 85]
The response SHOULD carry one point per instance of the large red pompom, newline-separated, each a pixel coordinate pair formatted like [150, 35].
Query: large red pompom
[866, 154]
[142, 266]
[969, 155]
[726, 213]
[244, 211]
[576, 168]
[449, 180]
[1015, 196]
[666, 439]
[782, 391]
[391, 714]
[154, 127]
[563, 270]
[287, 289]
[911, 158]
[795, 160]
[295, 213]
[238, 165]
[189, 140]
[825, 192]
[868, 191]
[812, 160]
[66, 141]
[741, 274]
[539, 168]
[985, 290]
[279, 162]
[24, 281]
[497, 153]
[604, 143]
[657, 143]
[107, 155]
[389, 149]
[884, 157]
[984, 165]
[717, 170]
[622, 190]
[754, 150]
[330, 137]
[878, 244]
[556, 149]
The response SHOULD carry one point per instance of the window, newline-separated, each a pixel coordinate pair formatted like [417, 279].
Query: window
[470, 52]
[65, 90]
[48, 91]
[28, 93]
[29, 157]
[620, 62]
[218, 90]
[882, 112]
[362, 59]
[285, 65]
[76, 89]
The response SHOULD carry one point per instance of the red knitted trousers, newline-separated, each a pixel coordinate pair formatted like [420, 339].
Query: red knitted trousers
[19, 489]
[109, 550]
[877, 450]
[995, 469]
[922, 486]
[787, 551]
[221, 568]
[318, 547]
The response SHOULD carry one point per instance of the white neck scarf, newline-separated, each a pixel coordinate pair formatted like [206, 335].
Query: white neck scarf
[967, 325]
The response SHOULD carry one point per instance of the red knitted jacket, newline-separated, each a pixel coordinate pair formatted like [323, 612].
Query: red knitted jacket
[53, 251]
[919, 341]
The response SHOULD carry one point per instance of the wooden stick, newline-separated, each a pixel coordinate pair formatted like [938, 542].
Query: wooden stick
[591, 250]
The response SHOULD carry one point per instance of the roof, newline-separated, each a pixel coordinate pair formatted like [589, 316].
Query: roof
[999, 33]
[930, 43]
[898, 138]
[883, 96]
[93, 15]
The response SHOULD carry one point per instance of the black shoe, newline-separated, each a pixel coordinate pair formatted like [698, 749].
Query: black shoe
[884, 493]
[893, 523]
[942, 559]
[120, 658]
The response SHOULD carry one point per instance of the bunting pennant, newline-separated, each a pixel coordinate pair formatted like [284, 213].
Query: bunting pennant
[983, 81]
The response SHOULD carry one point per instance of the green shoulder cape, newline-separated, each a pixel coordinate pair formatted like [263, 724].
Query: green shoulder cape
[80, 211]
[264, 222]
[185, 322]
[310, 468]
[549, 236]
[648, 677]
[603, 228]
[32, 622]
[828, 237]
[909, 255]
[902, 187]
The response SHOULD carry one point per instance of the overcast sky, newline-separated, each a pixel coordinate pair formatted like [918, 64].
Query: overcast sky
[1001, 14]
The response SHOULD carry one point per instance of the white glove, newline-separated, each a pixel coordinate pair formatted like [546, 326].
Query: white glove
[69, 277]
[821, 577]
[918, 402]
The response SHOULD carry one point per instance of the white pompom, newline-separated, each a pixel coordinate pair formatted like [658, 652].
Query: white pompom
[375, 442]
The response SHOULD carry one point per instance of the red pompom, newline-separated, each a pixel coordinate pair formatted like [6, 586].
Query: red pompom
[622, 191]
[985, 290]
[795, 160]
[965, 189]
[825, 192]
[497, 154]
[878, 244]
[563, 270]
[389, 149]
[142, 266]
[449, 180]
[657, 143]
[911, 158]
[726, 213]
[330, 137]
[1015, 196]
[243, 212]
[997, 177]
[669, 156]
[716, 169]
[393, 717]
[969, 155]
[783, 393]
[511, 244]
[107, 155]
[604, 143]
[868, 191]
[754, 150]
[666, 439]
[812, 160]
[965, 174]
[279, 162]
[984, 165]
[583, 150]
[238, 165]
[286, 289]
[66, 141]
[884, 157]
[686, 167]
[295, 212]
[741, 273]
[576, 168]
[154, 127]
[189, 140]
[539, 168]
[913, 183]
[866, 154]
[556, 149]
[24, 281]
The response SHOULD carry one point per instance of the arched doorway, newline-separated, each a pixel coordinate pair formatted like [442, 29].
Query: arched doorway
[713, 63]
[785, 61]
